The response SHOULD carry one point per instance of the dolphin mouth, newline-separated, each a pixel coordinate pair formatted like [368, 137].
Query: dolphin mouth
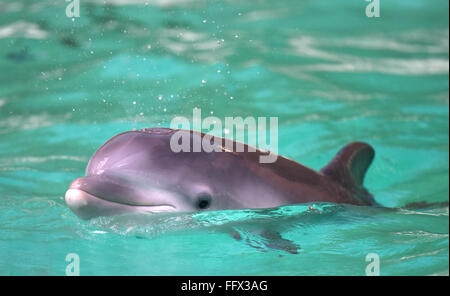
[116, 191]
[87, 206]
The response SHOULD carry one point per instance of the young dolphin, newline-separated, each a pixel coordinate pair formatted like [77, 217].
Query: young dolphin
[137, 171]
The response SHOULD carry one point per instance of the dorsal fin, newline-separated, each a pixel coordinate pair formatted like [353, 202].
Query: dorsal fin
[349, 167]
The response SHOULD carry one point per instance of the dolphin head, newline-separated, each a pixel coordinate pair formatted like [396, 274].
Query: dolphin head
[138, 172]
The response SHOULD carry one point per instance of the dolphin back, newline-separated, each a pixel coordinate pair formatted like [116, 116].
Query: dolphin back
[349, 167]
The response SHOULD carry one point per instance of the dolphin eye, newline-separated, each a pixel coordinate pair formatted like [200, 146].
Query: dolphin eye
[204, 201]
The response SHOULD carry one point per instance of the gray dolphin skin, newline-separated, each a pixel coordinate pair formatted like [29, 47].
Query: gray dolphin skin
[137, 171]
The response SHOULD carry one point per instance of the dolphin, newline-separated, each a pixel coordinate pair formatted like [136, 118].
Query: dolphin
[137, 171]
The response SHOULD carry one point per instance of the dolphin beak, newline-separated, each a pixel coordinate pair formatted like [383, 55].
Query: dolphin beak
[87, 206]
[93, 196]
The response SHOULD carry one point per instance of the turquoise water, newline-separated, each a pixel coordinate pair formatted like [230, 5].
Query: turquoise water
[330, 74]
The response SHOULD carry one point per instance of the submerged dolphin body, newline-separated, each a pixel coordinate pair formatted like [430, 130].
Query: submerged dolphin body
[137, 171]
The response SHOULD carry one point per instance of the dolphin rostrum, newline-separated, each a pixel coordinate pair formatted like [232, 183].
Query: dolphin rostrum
[137, 171]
